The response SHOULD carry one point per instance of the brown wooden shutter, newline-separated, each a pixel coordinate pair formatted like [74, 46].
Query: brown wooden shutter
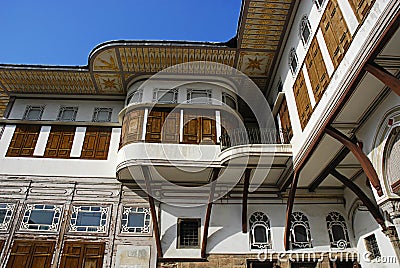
[96, 143]
[361, 8]
[199, 126]
[155, 122]
[60, 142]
[302, 100]
[317, 70]
[191, 128]
[170, 130]
[336, 33]
[79, 254]
[31, 254]
[208, 129]
[132, 126]
[285, 122]
[24, 140]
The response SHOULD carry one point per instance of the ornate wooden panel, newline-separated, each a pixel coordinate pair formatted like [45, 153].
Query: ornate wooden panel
[317, 70]
[31, 254]
[96, 143]
[155, 122]
[302, 100]
[199, 127]
[132, 126]
[24, 140]
[361, 8]
[60, 142]
[285, 122]
[191, 127]
[336, 33]
[81, 254]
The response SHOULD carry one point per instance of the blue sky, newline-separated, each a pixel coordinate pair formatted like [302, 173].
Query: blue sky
[63, 32]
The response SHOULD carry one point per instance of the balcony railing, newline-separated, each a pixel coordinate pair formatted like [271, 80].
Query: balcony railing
[253, 136]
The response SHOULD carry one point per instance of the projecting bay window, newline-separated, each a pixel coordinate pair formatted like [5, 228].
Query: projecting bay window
[302, 100]
[23, 141]
[335, 31]
[189, 233]
[60, 141]
[96, 143]
[361, 8]
[132, 129]
[317, 70]
[286, 125]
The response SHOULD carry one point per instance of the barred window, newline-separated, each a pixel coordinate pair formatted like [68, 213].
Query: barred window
[372, 246]
[188, 233]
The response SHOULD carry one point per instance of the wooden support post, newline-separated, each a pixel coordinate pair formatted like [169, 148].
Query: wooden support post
[289, 207]
[244, 199]
[359, 154]
[208, 211]
[384, 76]
[363, 197]
[153, 212]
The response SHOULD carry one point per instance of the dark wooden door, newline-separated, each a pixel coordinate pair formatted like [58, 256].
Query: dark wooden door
[31, 254]
[82, 255]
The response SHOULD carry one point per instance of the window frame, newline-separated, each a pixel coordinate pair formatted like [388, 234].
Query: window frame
[29, 108]
[9, 215]
[301, 220]
[293, 57]
[63, 109]
[96, 112]
[102, 228]
[163, 91]
[143, 231]
[305, 23]
[371, 244]
[132, 94]
[190, 91]
[25, 226]
[179, 229]
[226, 96]
[258, 219]
[336, 219]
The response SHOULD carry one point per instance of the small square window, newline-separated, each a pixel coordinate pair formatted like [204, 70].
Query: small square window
[102, 114]
[33, 112]
[6, 212]
[41, 217]
[188, 233]
[67, 113]
[89, 219]
[199, 96]
[165, 95]
[136, 220]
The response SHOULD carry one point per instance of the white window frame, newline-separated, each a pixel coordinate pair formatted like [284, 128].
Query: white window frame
[145, 229]
[139, 92]
[258, 219]
[52, 227]
[96, 112]
[336, 219]
[163, 91]
[8, 217]
[292, 57]
[104, 219]
[207, 92]
[29, 108]
[305, 23]
[63, 109]
[300, 219]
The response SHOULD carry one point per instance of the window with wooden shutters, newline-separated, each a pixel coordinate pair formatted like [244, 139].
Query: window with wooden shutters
[24, 140]
[361, 8]
[96, 143]
[132, 126]
[335, 31]
[31, 254]
[285, 122]
[163, 126]
[199, 127]
[302, 100]
[60, 142]
[80, 254]
[317, 70]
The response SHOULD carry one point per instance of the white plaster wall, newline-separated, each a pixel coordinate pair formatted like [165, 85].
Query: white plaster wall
[225, 231]
[52, 107]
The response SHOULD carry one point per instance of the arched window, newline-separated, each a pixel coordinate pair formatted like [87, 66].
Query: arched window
[337, 230]
[300, 231]
[293, 62]
[260, 232]
[305, 30]
[393, 160]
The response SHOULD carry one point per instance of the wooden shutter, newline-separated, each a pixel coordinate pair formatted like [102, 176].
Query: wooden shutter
[60, 142]
[31, 254]
[199, 127]
[208, 129]
[96, 143]
[155, 122]
[191, 127]
[170, 130]
[336, 33]
[316, 70]
[86, 255]
[285, 122]
[132, 126]
[24, 140]
[361, 8]
[302, 100]
[163, 126]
